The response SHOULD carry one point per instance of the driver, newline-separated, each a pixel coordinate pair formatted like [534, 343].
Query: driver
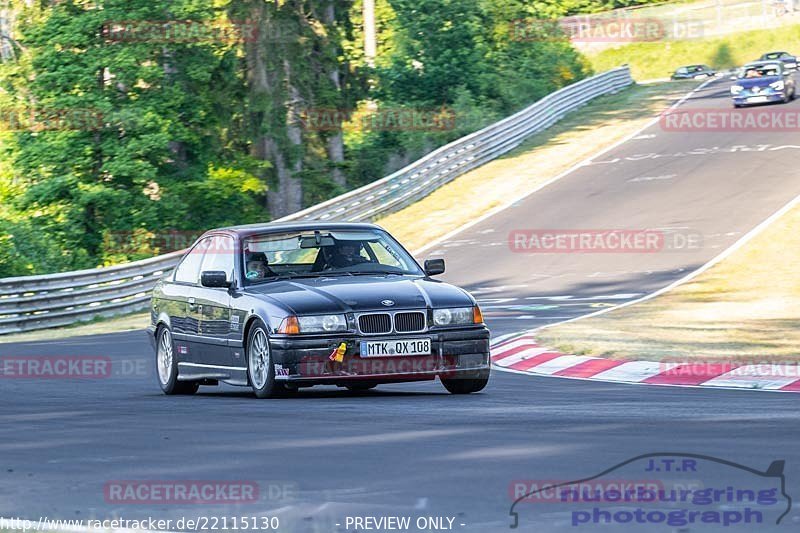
[345, 254]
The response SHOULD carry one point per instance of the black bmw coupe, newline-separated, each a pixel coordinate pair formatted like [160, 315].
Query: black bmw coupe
[282, 306]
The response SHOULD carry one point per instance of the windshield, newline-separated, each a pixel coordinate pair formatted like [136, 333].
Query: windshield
[324, 253]
[760, 71]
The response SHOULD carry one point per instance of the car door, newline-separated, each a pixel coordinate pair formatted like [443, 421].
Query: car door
[182, 294]
[213, 304]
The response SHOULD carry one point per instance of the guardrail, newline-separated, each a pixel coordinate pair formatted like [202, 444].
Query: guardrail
[39, 302]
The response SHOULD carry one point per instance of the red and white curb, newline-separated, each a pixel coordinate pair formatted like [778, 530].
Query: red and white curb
[524, 355]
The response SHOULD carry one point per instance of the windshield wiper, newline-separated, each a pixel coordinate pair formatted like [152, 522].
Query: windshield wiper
[289, 276]
[380, 273]
[327, 275]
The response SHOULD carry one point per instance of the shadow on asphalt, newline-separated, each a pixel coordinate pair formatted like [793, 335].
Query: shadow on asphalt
[312, 394]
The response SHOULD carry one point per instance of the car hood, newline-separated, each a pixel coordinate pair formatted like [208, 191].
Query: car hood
[360, 293]
[747, 83]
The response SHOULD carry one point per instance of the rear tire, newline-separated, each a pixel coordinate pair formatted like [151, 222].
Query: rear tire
[167, 366]
[260, 370]
[466, 385]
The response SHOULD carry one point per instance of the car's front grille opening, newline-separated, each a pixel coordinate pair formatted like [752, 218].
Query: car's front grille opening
[375, 323]
[408, 322]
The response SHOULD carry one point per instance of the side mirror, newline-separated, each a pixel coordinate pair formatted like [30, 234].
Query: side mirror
[434, 267]
[214, 279]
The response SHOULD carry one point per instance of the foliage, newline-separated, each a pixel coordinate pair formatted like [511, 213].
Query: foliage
[460, 55]
[122, 132]
[155, 132]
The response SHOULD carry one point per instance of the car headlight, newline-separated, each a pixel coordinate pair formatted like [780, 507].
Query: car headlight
[457, 316]
[777, 85]
[313, 324]
[736, 89]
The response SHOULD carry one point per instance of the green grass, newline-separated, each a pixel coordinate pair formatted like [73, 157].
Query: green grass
[659, 59]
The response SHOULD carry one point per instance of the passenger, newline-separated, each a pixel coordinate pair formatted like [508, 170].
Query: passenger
[256, 270]
[257, 266]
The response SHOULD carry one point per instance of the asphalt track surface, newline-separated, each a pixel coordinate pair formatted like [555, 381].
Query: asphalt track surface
[414, 450]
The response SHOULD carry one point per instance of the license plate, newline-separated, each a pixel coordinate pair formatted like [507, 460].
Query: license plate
[757, 99]
[395, 347]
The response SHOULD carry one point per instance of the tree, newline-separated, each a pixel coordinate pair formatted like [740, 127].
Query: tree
[296, 64]
[123, 125]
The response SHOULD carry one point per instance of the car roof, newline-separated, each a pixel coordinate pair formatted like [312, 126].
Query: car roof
[755, 64]
[773, 53]
[247, 230]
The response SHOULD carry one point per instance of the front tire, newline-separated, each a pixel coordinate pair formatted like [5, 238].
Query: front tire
[167, 366]
[260, 370]
[466, 385]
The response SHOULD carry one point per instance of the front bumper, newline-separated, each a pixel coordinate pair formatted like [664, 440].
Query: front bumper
[454, 353]
[747, 98]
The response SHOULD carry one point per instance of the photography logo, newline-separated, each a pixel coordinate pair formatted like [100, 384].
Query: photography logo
[674, 491]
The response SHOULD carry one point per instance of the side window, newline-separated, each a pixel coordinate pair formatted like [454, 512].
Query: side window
[219, 255]
[189, 269]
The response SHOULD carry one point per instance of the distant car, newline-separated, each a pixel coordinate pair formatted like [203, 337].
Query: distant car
[693, 72]
[789, 61]
[763, 82]
[282, 306]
